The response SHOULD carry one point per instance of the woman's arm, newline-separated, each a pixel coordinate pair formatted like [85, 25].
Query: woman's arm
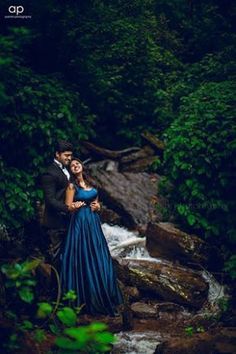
[70, 192]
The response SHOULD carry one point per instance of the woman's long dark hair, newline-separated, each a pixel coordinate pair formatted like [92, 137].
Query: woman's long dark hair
[89, 181]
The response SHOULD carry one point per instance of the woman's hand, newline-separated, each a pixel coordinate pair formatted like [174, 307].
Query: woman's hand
[75, 206]
[95, 205]
[79, 204]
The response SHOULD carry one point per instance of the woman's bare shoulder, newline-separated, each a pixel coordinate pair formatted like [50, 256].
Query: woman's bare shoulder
[71, 186]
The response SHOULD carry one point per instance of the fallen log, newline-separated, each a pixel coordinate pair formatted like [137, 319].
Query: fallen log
[153, 140]
[106, 153]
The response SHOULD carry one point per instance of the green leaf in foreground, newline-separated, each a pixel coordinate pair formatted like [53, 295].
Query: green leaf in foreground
[26, 295]
[67, 316]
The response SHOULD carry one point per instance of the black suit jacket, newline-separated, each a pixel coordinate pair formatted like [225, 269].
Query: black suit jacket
[54, 183]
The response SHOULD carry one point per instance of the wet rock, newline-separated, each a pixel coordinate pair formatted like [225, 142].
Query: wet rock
[143, 310]
[131, 195]
[167, 281]
[132, 292]
[109, 216]
[167, 241]
[170, 313]
[104, 165]
[168, 307]
[223, 341]
[167, 313]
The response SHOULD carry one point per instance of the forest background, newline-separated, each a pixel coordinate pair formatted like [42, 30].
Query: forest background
[106, 71]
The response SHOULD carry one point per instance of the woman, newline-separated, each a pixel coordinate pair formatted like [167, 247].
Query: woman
[86, 261]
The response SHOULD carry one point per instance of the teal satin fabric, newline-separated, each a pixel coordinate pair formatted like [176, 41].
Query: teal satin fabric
[87, 265]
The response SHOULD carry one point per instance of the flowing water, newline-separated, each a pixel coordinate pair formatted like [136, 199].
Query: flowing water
[129, 245]
[137, 342]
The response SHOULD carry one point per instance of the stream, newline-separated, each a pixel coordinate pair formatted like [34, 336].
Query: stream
[127, 244]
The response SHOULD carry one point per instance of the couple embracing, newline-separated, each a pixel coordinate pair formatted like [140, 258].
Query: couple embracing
[77, 243]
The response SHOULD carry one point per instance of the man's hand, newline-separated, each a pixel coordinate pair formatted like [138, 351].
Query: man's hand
[95, 205]
[75, 206]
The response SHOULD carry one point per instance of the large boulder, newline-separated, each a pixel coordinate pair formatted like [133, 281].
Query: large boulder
[133, 196]
[164, 280]
[167, 312]
[167, 241]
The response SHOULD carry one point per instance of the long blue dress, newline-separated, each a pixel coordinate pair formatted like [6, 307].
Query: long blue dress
[87, 265]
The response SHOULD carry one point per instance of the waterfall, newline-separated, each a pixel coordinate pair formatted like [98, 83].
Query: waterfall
[124, 243]
[129, 245]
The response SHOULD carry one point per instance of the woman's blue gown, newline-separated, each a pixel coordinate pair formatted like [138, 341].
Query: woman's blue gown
[87, 266]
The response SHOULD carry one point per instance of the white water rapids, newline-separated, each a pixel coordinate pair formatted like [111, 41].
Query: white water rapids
[130, 245]
[124, 243]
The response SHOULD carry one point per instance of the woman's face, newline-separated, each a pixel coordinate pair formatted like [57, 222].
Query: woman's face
[76, 167]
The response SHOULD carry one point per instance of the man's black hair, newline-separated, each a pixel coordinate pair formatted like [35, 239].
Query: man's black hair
[62, 146]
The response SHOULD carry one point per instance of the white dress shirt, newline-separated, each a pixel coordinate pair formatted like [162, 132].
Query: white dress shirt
[64, 169]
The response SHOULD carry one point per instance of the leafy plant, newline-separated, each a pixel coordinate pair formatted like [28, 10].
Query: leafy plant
[19, 276]
[36, 110]
[230, 267]
[69, 337]
[199, 162]
[224, 304]
[93, 338]
[190, 330]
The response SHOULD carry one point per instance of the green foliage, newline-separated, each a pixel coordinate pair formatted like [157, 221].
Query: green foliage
[67, 316]
[200, 160]
[93, 338]
[20, 276]
[205, 26]
[190, 330]
[119, 68]
[230, 266]
[39, 335]
[36, 110]
[122, 54]
[18, 195]
[69, 338]
[44, 310]
[155, 164]
[70, 296]
[224, 304]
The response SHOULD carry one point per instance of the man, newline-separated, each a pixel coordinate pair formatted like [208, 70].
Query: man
[56, 214]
